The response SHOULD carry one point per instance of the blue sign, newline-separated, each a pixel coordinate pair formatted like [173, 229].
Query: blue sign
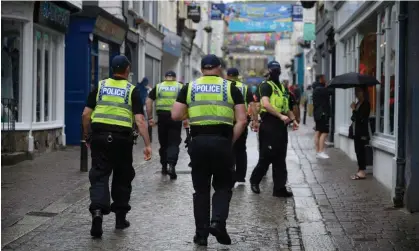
[217, 11]
[297, 13]
[259, 17]
[172, 43]
[208, 88]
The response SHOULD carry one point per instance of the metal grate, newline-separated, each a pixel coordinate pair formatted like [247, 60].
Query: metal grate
[42, 214]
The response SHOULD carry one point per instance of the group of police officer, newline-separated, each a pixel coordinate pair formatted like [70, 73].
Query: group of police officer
[216, 110]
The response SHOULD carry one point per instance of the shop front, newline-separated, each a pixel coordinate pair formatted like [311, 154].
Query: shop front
[366, 36]
[172, 50]
[132, 52]
[187, 42]
[196, 57]
[153, 56]
[32, 89]
[94, 38]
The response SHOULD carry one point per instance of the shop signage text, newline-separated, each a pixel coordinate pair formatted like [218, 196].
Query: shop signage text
[171, 43]
[194, 12]
[53, 16]
[109, 30]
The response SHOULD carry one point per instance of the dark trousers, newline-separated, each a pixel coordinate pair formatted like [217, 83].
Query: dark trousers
[211, 158]
[169, 133]
[360, 152]
[111, 152]
[240, 156]
[272, 150]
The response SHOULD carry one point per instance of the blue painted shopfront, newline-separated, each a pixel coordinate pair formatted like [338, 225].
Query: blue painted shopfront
[300, 71]
[81, 63]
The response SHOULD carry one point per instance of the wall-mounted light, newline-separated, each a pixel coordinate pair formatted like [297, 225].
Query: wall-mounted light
[308, 68]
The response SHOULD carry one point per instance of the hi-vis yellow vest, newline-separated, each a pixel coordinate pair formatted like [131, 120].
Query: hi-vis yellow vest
[166, 94]
[209, 101]
[114, 105]
[243, 88]
[278, 98]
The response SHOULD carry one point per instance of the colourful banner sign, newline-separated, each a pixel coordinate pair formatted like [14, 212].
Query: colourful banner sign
[217, 11]
[297, 13]
[248, 39]
[259, 17]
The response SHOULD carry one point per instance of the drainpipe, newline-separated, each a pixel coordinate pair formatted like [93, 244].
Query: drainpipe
[398, 199]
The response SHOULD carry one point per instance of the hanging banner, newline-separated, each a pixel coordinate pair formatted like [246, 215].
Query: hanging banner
[259, 17]
[309, 33]
[217, 11]
[194, 12]
[297, 13]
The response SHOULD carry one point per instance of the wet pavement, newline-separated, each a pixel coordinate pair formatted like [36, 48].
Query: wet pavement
[328, 212]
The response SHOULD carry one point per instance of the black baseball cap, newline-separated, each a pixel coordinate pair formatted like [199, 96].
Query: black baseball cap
[170, 74]
[233, 72]
[120, 63]
[274, 65]
[210, 61]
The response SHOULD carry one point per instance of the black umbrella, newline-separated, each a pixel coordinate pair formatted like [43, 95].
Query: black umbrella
[351, 80]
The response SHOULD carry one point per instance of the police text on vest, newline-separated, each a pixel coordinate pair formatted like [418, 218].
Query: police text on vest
[168, 88]
[211, 88]
[112, 91]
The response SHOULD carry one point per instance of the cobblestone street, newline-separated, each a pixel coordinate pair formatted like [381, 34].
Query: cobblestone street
[329, 211]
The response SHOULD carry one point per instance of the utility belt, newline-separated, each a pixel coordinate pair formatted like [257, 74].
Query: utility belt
[112, 136]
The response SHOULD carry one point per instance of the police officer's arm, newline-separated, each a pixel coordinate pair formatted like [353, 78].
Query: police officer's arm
[239, 113]
[265, 93]
[149, 102]
[291, 104]
[252, 105]
[87, 112]
[180, 107]
[137, 110]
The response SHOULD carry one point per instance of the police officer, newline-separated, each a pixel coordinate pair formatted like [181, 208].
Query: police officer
[111, 108]
[169, 131]
[212, 105]
[276, 114]
[239, 148]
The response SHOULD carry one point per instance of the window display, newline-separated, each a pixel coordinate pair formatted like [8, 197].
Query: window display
[45, 74]
[103, 61]
[10, 70]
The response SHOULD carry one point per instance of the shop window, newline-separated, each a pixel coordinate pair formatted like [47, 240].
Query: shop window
[45, 76]
[11, 60]
[103, 61]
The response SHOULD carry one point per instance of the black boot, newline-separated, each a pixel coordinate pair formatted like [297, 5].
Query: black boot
[283, 193]
[220, 233]
[121, 221]
[164, 170]
[200, 241]
[255, 188]
[97, 219]
[172, 172]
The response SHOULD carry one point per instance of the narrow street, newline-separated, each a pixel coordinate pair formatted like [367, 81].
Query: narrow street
[328, 212]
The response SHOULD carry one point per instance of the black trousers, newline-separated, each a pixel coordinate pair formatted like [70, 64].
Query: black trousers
[240, 156]
[111, 152]
[211, 158]
[272, 150]
[169, 134]
[360, 152]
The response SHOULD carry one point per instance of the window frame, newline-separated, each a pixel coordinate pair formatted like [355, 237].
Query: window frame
[53, 59]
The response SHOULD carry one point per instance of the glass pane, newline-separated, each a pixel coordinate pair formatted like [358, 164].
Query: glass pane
[392, 47]
[46, 83]
[10, 70]
[103, 61]
[383, 72]
[38, 75]
[55, 56]
[149, 70]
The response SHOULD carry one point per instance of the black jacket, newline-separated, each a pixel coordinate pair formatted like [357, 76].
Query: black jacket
[361, 118]
[321, 101]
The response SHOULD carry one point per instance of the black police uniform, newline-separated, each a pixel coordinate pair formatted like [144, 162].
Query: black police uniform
[111, 149]
[211, 157]
[240, 153]
[273, 141]
[169, 134]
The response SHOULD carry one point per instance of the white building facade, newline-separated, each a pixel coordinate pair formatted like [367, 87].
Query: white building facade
[33, 61]
[366, 35]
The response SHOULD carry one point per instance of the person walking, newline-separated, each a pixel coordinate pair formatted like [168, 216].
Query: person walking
[111, 108]
[212, 105]
[169, 131]
[239, 147]
[321, 112]
[276, 114]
